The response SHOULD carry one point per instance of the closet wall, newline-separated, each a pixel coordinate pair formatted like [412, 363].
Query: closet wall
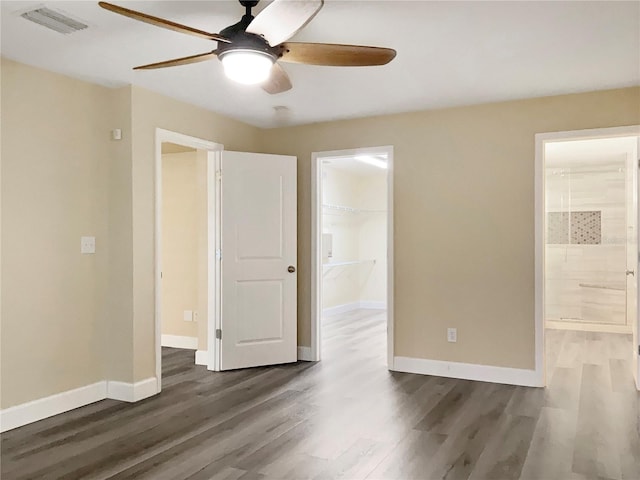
[354, 243]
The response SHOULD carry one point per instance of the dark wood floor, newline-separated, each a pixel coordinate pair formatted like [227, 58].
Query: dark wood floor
[348, 417]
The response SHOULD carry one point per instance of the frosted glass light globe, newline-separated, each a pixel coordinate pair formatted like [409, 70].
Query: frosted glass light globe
[247, 66]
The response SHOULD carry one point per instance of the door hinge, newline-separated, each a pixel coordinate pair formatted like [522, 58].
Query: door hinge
[218, 175]
[219, 333]
[638, 349]
[218, 254]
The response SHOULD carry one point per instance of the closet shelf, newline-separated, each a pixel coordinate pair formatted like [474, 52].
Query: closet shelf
[328, 267]
[330, 209]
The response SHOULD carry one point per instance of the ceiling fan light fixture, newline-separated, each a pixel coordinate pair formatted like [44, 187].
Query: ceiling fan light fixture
[248, 67]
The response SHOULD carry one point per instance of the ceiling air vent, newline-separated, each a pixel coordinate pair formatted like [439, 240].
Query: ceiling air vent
[54, 20]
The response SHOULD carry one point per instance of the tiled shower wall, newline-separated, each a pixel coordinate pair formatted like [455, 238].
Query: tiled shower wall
[586, 244]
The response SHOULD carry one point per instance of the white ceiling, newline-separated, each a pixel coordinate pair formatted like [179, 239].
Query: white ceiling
[449, 53]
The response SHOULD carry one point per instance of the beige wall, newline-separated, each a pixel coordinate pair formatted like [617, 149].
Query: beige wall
[180, 233]
[55, 180]
[67, 319]
[464, 209]
[117, 325]
[463, 223]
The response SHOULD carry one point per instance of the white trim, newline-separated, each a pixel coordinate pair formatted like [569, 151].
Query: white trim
[163, 135]
[202, 357]
[469, 371]
[587, 327]
[540, 140]
[179, 341]
[214, 283]
[305, 354]
[132, 392]
[316, 256]
[316, 260]
[19, 415]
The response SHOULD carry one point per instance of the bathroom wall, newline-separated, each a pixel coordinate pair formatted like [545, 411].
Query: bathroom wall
[586, 241]
[358, 235]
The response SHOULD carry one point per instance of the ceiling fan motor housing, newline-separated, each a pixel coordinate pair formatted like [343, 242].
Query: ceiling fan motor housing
[243, 40]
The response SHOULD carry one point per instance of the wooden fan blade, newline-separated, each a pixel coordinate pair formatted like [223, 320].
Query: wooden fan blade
[336, 55]
[161, 22]
[278, 81]
[179, 61]
[282, 19]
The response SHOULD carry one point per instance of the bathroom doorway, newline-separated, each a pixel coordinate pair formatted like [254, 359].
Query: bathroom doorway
[589, 267]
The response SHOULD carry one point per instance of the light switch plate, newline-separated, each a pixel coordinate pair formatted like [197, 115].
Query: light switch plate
[188, 316]
[87, 245]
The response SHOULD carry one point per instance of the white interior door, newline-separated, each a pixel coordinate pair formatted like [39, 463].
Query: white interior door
[258, 246]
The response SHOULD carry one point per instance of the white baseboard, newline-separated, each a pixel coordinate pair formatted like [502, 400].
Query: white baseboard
[372, 305]
[179, 341]
[202, 357]
[23, 414]
[132, 392]
[46, 407]
[348, 307]
[469, 371]
[304, 354]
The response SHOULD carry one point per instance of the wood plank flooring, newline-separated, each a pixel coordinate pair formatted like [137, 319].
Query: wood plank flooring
[348, 417]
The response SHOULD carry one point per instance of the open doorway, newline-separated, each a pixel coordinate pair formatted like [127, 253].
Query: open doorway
[186, 271]
[588, 240]
[184, 255]
[352, 253]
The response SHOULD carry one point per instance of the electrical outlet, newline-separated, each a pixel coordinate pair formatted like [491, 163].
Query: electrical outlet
[188, 316]
[452, 335]
[195, 316]
[87, 245]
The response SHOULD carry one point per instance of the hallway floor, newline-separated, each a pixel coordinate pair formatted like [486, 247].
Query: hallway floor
[348, 417]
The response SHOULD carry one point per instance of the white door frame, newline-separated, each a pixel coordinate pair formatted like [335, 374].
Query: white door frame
[316, 253]
[213, 271]
[541, 139]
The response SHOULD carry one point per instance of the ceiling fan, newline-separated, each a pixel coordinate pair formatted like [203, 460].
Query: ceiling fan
[251, 49]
